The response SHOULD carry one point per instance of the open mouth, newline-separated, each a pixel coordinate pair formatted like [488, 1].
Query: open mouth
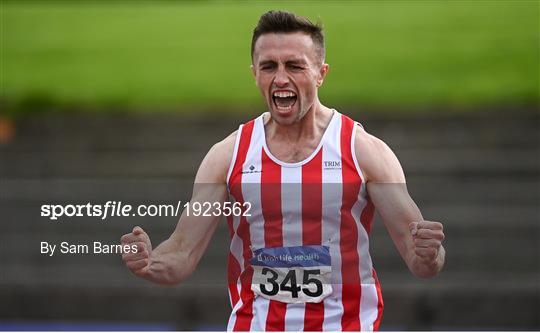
[284, 100]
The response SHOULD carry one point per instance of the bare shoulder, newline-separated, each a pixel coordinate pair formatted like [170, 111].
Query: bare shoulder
[215, 165]
[377, 161]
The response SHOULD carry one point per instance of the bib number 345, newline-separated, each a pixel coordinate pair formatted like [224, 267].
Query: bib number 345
[289, 283]
[298, 274]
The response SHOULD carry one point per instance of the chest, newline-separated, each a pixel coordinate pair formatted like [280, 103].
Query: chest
[292, 152]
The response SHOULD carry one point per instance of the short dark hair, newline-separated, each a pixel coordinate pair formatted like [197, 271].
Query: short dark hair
[277, 21]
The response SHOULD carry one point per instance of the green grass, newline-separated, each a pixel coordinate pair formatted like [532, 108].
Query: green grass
[149, 56]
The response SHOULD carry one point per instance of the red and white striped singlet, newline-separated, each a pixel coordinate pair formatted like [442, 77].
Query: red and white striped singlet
[321, 201]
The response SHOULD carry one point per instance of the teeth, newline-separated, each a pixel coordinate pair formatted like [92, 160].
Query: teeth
[284, 108]
[284, 94]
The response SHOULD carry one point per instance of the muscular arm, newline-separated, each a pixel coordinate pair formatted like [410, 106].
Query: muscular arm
[176, 258]
[418, 241]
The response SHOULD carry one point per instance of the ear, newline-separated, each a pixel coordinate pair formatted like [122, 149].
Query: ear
[254, 73]
[322, 74]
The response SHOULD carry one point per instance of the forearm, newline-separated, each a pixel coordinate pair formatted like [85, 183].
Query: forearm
[422, 268]
[169, 264]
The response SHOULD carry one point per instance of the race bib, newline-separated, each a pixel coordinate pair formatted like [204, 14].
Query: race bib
[296, 274]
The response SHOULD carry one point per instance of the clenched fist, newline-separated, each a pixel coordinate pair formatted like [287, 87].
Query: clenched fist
[427, 237]
[138, 261]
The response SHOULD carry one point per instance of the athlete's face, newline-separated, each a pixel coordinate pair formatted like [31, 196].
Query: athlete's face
[288, 71]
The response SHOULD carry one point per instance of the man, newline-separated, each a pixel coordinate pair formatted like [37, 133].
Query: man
[308, 180]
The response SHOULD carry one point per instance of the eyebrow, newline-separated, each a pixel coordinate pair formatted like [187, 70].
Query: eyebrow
[288, 62]
[296, 62]
[267, 62]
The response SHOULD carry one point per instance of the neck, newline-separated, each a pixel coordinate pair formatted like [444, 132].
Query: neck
[310, 126]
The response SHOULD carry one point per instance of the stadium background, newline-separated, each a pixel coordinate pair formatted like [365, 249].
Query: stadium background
[121, 100]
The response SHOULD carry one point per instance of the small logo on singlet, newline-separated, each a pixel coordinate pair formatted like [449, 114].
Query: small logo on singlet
[332, 165]
[251, 170]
